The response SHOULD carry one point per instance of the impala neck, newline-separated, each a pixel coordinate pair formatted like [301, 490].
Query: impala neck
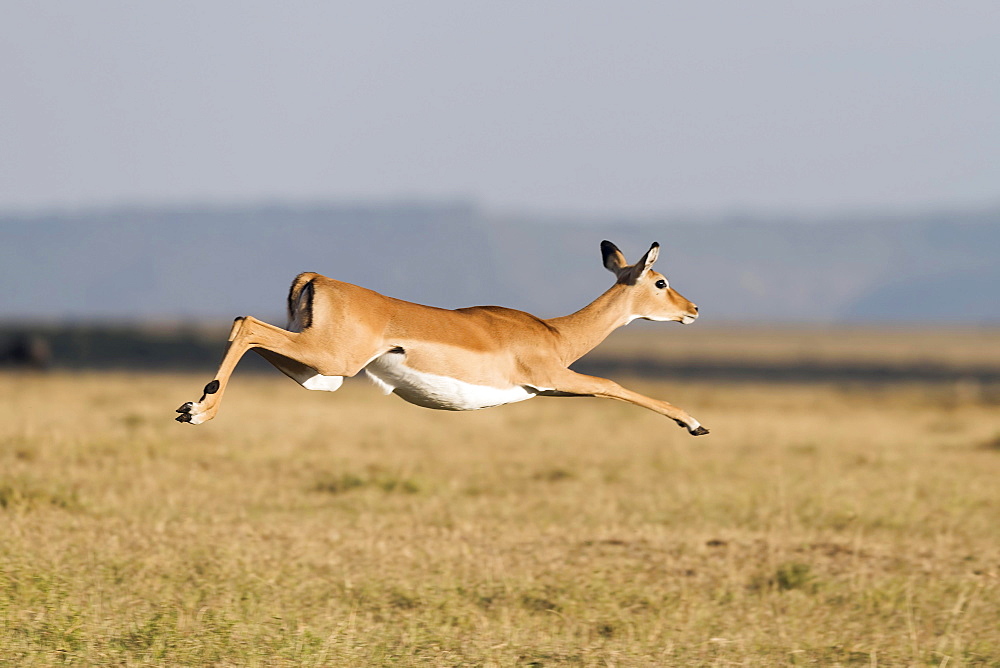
[583, 330]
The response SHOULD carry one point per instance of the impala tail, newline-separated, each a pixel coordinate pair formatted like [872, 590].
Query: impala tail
[300, 302]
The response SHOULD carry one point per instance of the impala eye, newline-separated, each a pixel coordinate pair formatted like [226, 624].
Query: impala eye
[661, 284]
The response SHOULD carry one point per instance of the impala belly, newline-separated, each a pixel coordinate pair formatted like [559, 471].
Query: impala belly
[389, 372]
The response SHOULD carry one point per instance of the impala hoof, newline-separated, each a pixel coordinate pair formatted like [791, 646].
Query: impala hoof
[700, 431]
[192, 413]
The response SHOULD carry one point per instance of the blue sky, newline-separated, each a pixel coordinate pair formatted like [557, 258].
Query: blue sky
[560, 107]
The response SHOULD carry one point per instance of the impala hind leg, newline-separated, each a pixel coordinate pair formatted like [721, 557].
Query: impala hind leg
[303, 374]
[578, 384]
[247, 333]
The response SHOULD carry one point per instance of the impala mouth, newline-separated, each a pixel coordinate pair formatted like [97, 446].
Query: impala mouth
[688, 319]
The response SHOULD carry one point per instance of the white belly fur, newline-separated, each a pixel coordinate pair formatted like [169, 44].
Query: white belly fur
[441, 392]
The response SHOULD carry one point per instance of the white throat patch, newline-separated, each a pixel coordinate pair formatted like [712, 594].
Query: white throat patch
[646, 317]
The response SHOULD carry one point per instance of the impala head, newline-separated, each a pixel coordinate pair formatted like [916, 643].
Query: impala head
[649, 293]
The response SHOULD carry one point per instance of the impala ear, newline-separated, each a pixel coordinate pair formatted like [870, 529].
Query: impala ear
[642, 266]
[650, 257]
[614, 261]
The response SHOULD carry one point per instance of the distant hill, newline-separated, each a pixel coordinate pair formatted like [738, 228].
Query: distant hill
[206, 263]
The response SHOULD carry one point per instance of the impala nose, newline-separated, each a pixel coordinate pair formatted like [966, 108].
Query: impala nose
[694, 307]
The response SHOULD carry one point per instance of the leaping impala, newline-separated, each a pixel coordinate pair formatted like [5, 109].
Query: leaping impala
[459, 360]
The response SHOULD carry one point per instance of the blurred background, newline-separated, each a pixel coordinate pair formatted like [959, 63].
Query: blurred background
[812, 170]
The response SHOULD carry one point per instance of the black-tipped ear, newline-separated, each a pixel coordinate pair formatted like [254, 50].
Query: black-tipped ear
[614, 261]
[642, 266]
[650, 257]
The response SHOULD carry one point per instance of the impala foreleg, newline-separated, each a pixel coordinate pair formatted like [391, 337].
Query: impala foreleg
[594, 386]
[247, 333]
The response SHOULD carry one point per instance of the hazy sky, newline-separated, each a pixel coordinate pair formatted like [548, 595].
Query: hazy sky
[585, 107]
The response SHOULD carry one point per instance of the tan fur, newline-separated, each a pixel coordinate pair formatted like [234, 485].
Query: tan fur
[346, 327]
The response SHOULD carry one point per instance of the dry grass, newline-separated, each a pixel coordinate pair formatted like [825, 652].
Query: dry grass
[814, 525]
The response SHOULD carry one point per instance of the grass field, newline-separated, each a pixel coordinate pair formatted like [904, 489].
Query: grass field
[817, 525]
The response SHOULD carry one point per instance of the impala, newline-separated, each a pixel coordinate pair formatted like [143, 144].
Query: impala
[459, 360]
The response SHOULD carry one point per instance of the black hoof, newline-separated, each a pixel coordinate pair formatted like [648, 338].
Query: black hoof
[185, 417]
[700, 431]
[212, 387]
[186, 408]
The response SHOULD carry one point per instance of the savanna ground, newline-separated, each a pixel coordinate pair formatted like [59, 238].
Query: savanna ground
[817, 524]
